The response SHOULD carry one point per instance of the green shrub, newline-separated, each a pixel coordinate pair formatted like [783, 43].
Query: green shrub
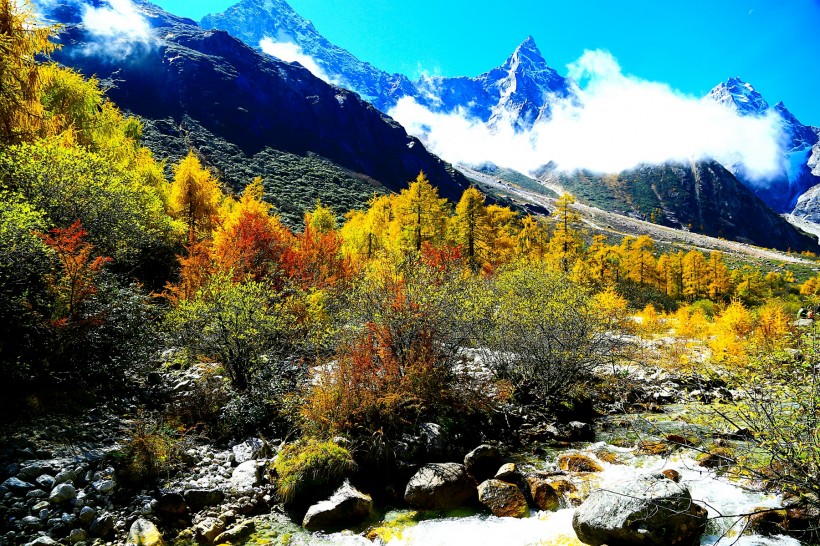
[311, 469]
[152, 450]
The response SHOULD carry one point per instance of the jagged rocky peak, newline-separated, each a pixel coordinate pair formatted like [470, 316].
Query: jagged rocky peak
[740, 96]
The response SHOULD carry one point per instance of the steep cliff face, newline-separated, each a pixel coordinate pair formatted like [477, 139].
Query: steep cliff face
[702, 197]
[208, 82]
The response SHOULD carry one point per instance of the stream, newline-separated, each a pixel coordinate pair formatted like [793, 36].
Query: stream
[469, 527]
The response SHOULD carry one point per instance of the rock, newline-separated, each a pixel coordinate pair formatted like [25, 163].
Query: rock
[87, 514]
[171, 506]
[482, 462]
[503, 499]
[439, 486]
[576, 462]
[250, 449]
[65, 476]
[435, 440]
[651, 510]
[33, 470]
[574, 431]
[237, 533]
[101, 526]
[246, 476]
[42, 505]
[77, 535]
[32, 523]
[544, 496]
[144, 533]
[36, 494]
[104, 486]
[43, 541]
[62, 493]
[673, 475]
[45, 481]
[198, 499]
[718, 457]
[347, 506]
[208, 529]
[17, 486]
[508, 473]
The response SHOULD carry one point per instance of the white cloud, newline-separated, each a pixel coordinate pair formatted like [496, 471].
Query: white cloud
[618, 122]
[118, 29]
[291, 52]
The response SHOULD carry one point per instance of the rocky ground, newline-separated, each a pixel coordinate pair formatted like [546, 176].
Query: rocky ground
[59, 484]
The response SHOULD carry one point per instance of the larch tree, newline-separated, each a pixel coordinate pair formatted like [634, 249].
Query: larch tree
[22, 40]
[421, 215]
[566, 244]
[470, 228]
[195, 196]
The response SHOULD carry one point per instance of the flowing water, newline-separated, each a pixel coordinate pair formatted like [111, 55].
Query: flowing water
[721, 497]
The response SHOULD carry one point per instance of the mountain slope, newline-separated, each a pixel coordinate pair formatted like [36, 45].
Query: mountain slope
[702, 197]
[206, 87]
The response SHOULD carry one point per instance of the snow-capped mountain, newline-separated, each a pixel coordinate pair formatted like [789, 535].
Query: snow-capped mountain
[519, 90]
[783, 191]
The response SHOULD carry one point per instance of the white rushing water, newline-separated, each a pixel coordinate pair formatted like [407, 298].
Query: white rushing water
[720, 496]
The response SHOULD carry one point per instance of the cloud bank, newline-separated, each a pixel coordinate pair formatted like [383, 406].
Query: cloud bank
[291, 52]
[617, 122]
[117, 29]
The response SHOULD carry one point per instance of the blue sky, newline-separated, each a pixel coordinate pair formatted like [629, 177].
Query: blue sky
[691, 45]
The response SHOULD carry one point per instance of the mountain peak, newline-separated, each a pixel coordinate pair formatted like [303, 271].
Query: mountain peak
[528, 53]
[740, 96]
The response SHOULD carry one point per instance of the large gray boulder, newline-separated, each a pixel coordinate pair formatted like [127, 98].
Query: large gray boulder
[650, 510]
[346, 507]
[246, 476]
[439, 486]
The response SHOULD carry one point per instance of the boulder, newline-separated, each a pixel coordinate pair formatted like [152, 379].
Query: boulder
[87, 514]
[208, 529]
[650, 510]
[237, 533]
[439, 486]
[249, 450]
[576, 462]
[171, 505]
[17, 486]
[508, 473]
[482, 462]
[435, 441]
[246, 476]
[45, 481]
[62, 493]
[503, 499]
[544, 496]
[77, 535]
[347, 506]
[144, 533]
[672, 474]
[101, 526]
[198, 499]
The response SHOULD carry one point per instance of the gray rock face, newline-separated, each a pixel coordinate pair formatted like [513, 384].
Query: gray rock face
[101, 526]
[651, 510]
[439, 486]
[62, 493]
[347, 506]
[482, 462]
[246, 476]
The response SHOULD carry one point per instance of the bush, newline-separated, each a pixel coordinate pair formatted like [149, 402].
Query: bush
[238, 324]
[546, 333]
[310, 470]
[151, 450]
